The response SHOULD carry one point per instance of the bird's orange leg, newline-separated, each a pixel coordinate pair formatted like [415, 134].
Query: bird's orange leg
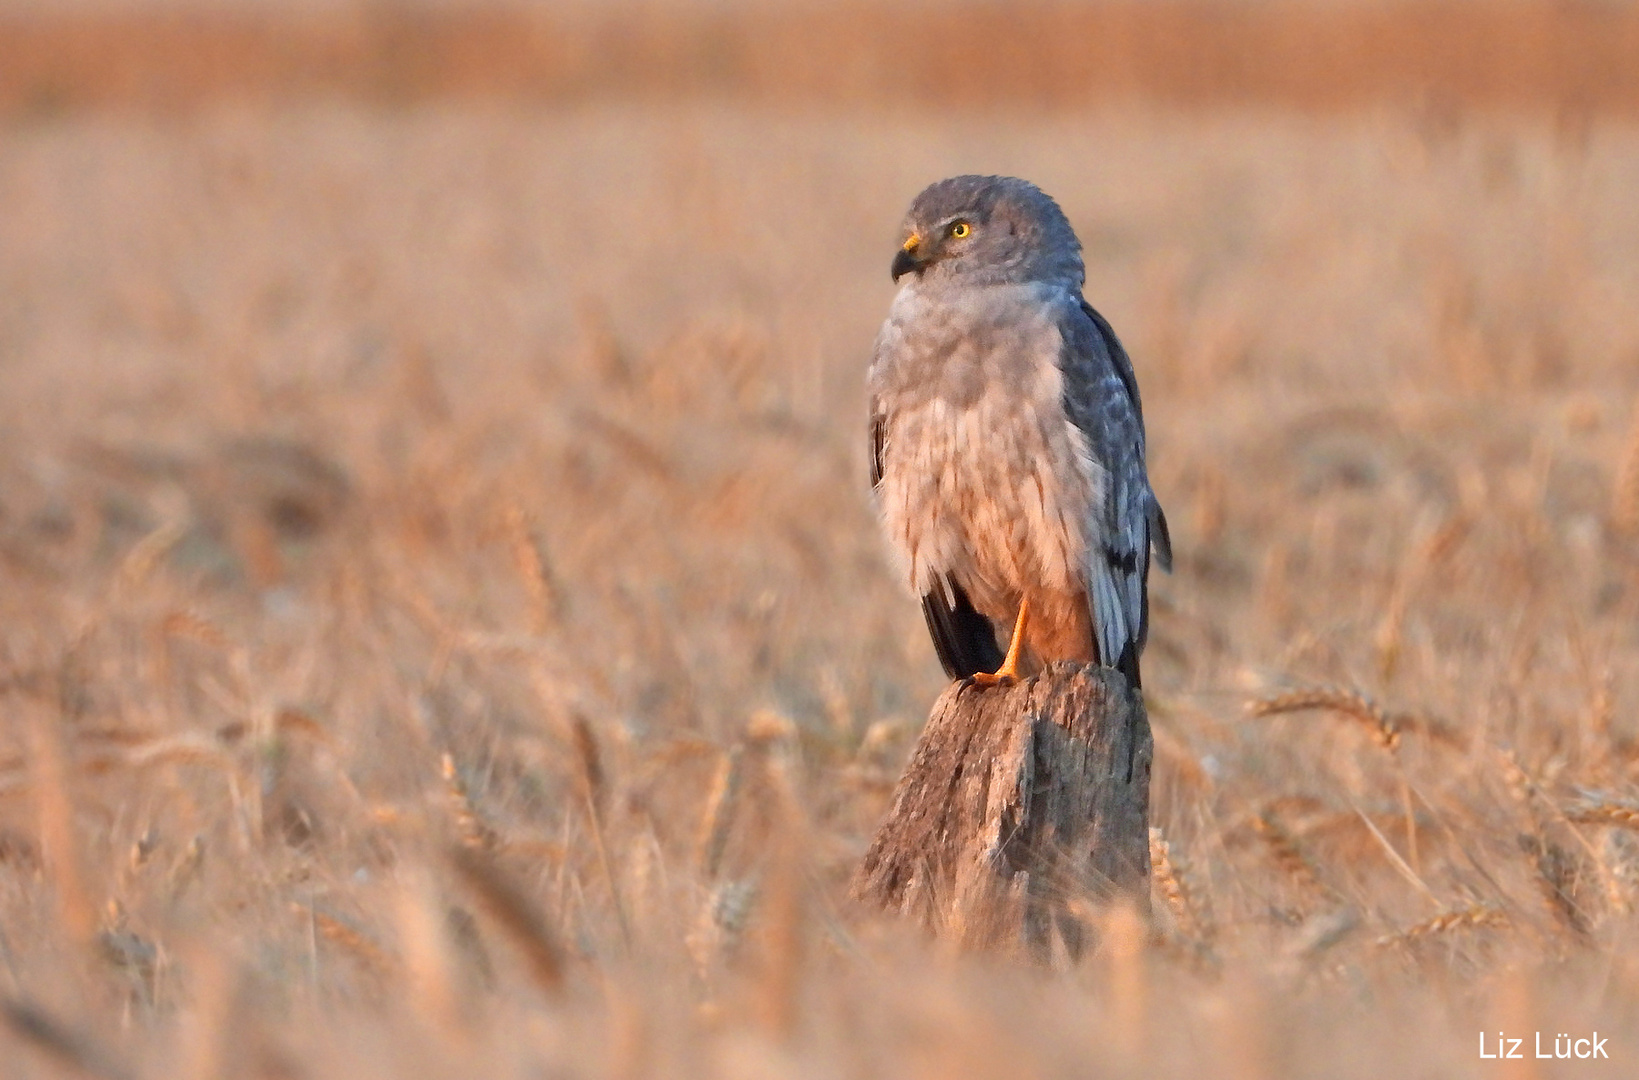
[1009, 671]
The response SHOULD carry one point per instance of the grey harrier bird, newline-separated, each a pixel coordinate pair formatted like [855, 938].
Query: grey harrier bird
[1007, 442]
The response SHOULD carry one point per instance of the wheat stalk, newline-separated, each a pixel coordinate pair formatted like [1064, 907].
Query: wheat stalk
[474, 831]
[517, 916]
[293, 721]
[1287, 855]
[426, 946]
[1520, 785]
[178, 750]
[722, 922]
[1169, 880]
[719, 812]
[1475, 917]
[590, 759]
[187, 869]
[341, 931]
[54, 805]
[1389, 636]
[1625, 496]
[1351, 703]
[1558, 870]
[1443, 543]
[592, 777]
[783, 908]
[1620, 815]
[187, 624]
[140, 561]
[1386, 727]
[529, 557]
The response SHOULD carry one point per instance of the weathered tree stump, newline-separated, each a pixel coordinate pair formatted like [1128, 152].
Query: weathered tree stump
[1023, 808]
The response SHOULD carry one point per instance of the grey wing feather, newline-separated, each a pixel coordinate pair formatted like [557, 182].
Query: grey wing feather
[1160, 537]
[1101, 400]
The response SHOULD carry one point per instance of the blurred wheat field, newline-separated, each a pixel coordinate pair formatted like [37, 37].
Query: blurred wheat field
[443, 630]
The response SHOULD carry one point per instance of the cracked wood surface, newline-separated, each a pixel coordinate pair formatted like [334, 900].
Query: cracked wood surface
[1024, 808]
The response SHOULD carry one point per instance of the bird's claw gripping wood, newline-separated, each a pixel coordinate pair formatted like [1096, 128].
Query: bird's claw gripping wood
[1009, 671]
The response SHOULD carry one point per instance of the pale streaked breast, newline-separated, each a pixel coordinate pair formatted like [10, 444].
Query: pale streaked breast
[984, 478]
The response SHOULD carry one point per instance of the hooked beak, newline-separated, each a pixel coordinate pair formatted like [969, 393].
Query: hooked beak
[907, 261]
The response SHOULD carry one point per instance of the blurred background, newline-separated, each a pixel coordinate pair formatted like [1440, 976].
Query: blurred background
[433, 426]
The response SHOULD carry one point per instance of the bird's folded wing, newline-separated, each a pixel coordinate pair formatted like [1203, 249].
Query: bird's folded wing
[1101, 401]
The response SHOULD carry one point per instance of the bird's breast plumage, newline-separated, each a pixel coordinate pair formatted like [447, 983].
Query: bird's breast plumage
[984, 479]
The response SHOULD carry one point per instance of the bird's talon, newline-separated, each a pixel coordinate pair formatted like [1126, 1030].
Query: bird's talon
[1008, 673]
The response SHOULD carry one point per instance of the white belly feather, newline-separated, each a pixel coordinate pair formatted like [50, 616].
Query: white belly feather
[984, 479]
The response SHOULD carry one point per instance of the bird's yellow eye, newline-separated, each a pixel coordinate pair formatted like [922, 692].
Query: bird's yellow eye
[960, 230]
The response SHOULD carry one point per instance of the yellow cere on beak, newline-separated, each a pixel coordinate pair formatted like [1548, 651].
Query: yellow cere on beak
[907, 261]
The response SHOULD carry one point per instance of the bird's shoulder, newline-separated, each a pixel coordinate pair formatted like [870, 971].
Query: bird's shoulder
[1100, 387]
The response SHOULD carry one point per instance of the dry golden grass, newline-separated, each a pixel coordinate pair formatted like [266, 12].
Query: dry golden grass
[443, 631]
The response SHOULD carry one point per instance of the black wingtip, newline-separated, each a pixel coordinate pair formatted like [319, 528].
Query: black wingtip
[1127, 664]
[1160, 535]
[964, 639]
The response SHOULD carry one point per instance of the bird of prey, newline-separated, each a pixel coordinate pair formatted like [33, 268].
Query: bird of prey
[1007, 442]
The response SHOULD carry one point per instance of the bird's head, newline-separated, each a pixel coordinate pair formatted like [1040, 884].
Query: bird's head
[988, 230]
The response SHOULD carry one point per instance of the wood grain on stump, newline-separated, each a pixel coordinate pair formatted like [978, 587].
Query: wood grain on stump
[1023, 808]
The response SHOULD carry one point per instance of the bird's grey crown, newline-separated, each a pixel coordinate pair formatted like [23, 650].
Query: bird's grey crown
[1020, 234]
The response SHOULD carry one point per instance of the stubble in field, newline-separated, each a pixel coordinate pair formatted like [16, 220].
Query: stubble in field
[443, 630]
